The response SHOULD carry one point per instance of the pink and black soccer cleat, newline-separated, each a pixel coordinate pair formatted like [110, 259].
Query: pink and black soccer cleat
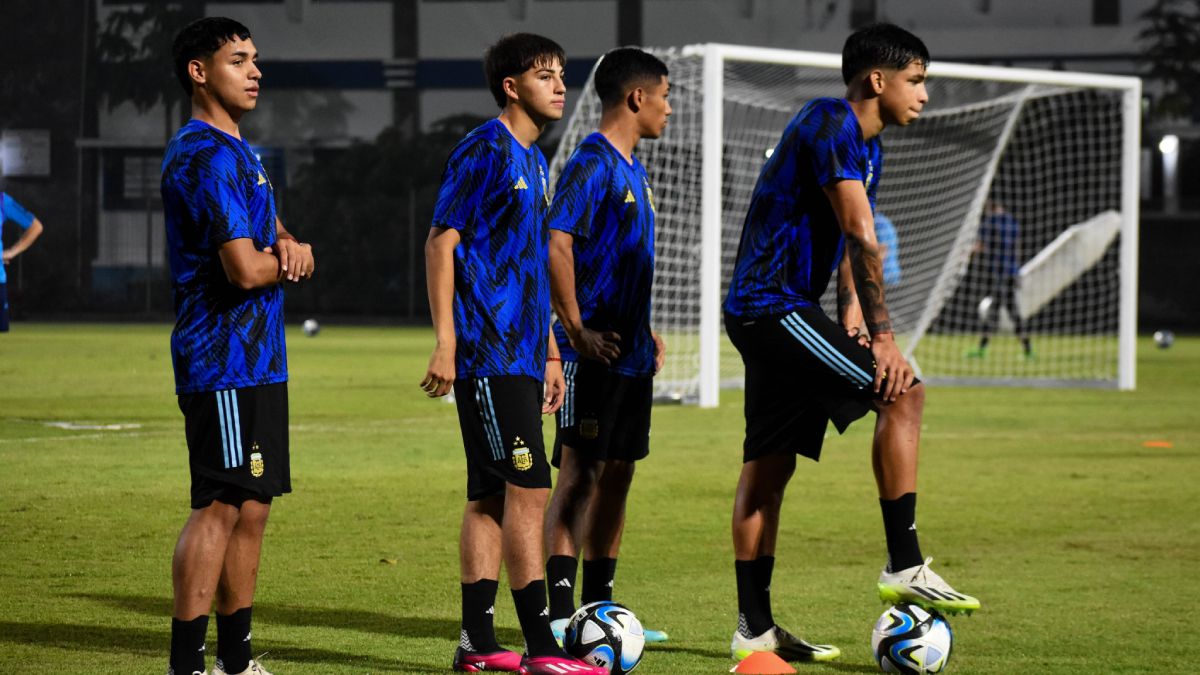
[557, 665]
[502, 661]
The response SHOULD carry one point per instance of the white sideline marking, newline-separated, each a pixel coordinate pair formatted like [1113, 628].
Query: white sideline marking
[92, 426]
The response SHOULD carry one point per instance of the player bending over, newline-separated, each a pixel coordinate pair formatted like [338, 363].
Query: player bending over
[601, 270]
[811, 212]
[229, 253]
[489, 294]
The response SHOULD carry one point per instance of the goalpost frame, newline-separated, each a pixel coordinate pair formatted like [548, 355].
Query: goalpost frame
[715, 55]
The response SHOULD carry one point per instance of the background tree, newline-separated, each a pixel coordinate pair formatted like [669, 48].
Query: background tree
[1171, 48]
[134, 50]
[366, 211]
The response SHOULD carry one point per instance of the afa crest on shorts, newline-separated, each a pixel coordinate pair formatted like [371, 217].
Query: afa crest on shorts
[256, 461]
[522, 459]
[589, 428]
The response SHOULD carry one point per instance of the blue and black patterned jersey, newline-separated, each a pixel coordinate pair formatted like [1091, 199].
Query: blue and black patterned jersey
[606, 204]
[791, 242]
[214, 189]
[494, 193]
[12, 212]
[999, 233]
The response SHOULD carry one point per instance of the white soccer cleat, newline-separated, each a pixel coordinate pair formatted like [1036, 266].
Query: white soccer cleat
[255, 668]
[785, 645]
[921, 586]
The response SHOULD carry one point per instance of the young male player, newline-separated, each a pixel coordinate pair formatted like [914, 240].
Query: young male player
[489, 294]
[811, 209]
[601, 270]
[229, 253]
[12, 212]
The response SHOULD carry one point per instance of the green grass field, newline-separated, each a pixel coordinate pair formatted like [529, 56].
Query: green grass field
[1079, 538]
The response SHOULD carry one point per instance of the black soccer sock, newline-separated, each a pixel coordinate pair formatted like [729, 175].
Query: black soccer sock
[983, 342]
[1027, 345]
[187, 645]
[560, 580]
[598, 577]
[753, 618]
[533, 614]
[233, 641]
[478, 615]
[900, 528]
[764, 567]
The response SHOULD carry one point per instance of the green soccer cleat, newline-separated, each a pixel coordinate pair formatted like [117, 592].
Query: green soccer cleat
[921, 586]
[785, 645]
[977, 353]
[655, 636]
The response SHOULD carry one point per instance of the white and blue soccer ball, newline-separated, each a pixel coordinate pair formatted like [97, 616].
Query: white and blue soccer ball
[311, 327]
[908, 639]
[606, 634]
[1164, 338]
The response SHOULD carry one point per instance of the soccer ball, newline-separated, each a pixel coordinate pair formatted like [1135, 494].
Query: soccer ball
[1164, 338]
[311, 327]
[908, 639]
[606, 634]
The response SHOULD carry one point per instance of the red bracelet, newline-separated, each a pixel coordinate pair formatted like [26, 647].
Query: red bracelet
[553, 358]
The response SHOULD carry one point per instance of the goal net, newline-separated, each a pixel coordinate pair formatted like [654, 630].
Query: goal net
[1014, 194]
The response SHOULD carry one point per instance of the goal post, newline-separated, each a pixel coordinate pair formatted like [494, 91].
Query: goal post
[1054, 148]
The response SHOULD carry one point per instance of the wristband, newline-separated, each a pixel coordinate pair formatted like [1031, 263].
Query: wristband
[553, 358]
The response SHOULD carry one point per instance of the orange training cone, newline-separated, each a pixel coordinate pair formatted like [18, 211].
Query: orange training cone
[763, 663]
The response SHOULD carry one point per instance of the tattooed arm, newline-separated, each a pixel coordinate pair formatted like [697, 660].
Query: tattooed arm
[893, 374]
[849, 311]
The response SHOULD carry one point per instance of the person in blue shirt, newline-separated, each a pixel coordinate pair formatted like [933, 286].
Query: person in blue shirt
[889, 248]
[998, 248]
[12, 212]
[229, 254]
[601, 272]
[489, 296]
[811, 213]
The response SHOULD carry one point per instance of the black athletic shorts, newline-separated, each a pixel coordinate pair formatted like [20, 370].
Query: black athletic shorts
[605, 415]
[238, 444]
[802, 371]
[501, 421]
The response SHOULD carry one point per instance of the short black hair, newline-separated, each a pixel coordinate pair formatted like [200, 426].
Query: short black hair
[881, 44]
[623, 68]
[515, 54]
[200, 39]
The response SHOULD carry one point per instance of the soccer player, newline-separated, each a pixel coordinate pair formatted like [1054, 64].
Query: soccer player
[889, 248]
[811, 212]
[601, 270]
[12, 212]
[489, 294]
[999, 236]
[229, 254]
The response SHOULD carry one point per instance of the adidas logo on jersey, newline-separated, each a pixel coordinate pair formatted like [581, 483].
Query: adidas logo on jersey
[261, 178]
[629, 198]
[521, 184]
[563, 583]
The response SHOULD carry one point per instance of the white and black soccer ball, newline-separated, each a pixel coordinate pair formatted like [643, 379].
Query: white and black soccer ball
[311, 327]
[1164, 338]
[606, 634]
[908, 639]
